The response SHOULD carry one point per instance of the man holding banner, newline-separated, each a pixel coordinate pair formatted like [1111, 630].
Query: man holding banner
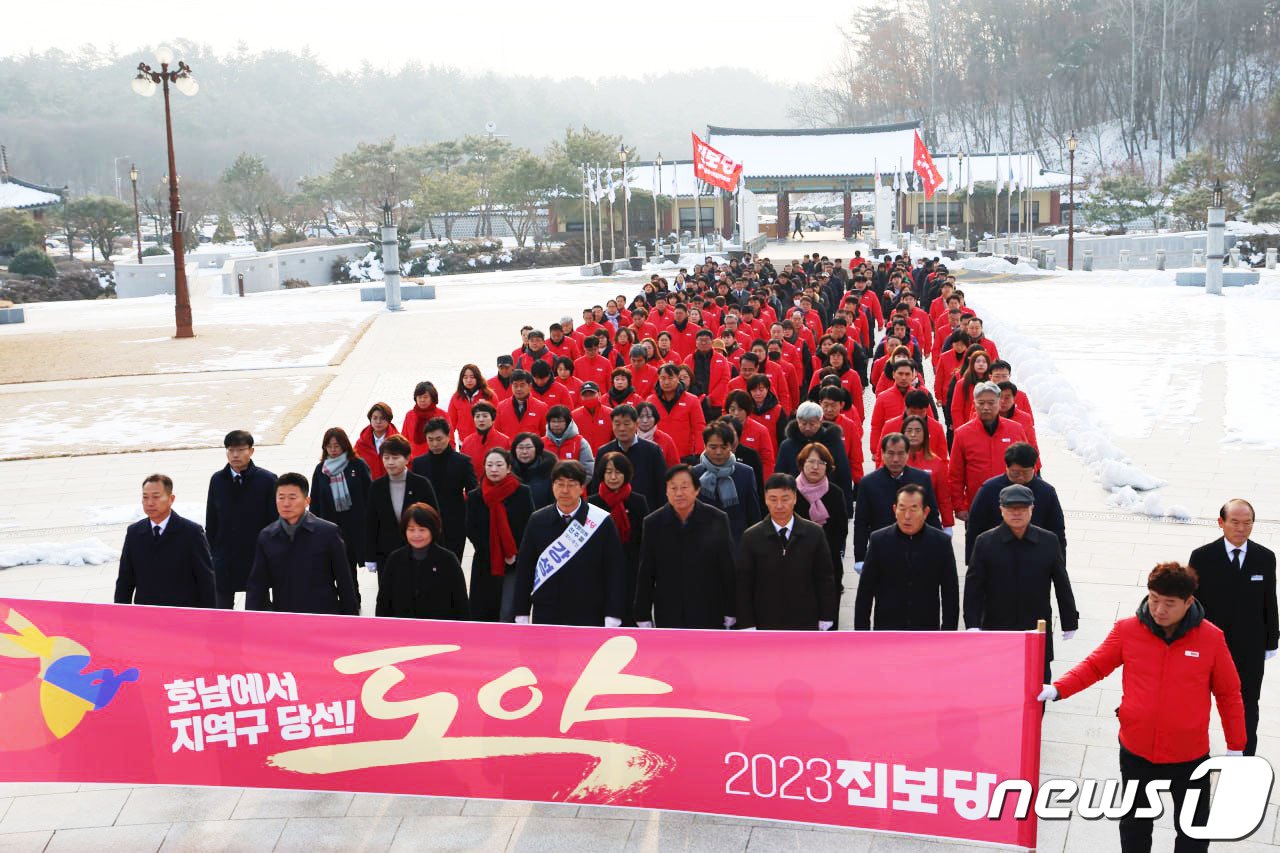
[570, 569]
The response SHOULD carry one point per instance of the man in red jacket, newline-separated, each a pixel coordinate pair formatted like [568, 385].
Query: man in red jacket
[521, 412]
[1173, 660]
[711, 374]
[977, 451]
[593, 418]
[592, 367]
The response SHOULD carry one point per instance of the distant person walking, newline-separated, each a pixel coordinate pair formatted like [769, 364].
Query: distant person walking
[798, 231]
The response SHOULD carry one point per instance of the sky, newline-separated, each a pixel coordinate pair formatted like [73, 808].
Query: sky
[784, 41]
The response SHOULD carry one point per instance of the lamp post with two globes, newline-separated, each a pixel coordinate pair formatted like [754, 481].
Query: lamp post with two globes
[145, 83]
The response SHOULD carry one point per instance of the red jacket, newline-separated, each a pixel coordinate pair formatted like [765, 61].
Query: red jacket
[944, 368]
[852, 431]
[525, 359]
[415, 422]
[475, 446]
[851, 382]
[758, 437]
[718, 388]
[593, 369]
[500, 391]
[668, 447]
[939, 474]
[990, 346]
[567, 347]
[1164, 708]
[977, 456]
[460, 414]
[595, 425]
[643, 380]
[1024, 420]
[890, 404]
[534, 420]
[937, 437]
[365, 450]
[684, 340]
[683, 421]
[555, 394]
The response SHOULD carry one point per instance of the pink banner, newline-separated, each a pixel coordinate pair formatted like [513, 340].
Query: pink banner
[902, 732]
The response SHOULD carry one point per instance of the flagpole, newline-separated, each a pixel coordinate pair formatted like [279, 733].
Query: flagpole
[697, 210]
[968, 203]
[585, 258]
[599, 219]
[613, 252]
[653, 186]
[1008, 210]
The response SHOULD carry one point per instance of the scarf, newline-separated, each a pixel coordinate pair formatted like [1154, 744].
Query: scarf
[502, 543]
[616, 502]
[813, 493]
[336, 468]
[720, 478]
[619, 397]
[648, 436]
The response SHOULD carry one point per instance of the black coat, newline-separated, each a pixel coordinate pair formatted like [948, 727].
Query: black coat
[830, 437]
[452, 476]
[233, 518]
[537, 476]
[687, 574]
[382, 524]
[876, 495]
[747, 511]
[749, 457]
[650, 469]
[637, 509]
[175, 570]
[519, 507]
[984, 511]
[1244, 608]
[909, 581]
[308, 574]
[433, 588]
[352, 522]
[586, 589]
[836, 530]
[1007, 585]
[785, 589]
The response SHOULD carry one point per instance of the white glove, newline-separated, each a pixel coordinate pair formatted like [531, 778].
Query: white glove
[522, 620]
[1067, 635]
[1269, 655]
[612, 622]
[373, 567]
[948, 530]
[510, 561]
[1048, 694]
[644, 624]
[857, 567]
[730, 621]
[1235, 752]
[969, 630]
[825, 626]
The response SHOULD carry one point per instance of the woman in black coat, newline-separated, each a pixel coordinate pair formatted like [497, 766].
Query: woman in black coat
[422, 580]
[815, 464]
[501, 495]
[532, 464]
[343, 478]
[628, 510]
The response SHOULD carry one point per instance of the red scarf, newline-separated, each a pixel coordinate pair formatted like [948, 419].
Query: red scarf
[502, 543]
[617, 504]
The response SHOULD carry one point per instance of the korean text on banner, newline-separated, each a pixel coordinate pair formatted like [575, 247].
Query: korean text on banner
[879, 730]
[714, 167]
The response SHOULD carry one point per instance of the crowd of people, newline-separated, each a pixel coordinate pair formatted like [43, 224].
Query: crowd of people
[694, 457]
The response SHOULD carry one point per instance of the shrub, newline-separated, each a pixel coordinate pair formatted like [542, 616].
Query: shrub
[153, 251]
[294, 283]
[32, 261]
[71, 286]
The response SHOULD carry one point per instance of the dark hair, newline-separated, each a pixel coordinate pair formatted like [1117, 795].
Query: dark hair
[678, 469]
[757, 380]
[823, 453]
[778, 480]
[437, 424]
[916, 398]
[569, 469]
[564, 361]
[962, 337]
[626, 410]
[1022, 454]
[426, 388]
[237, 438]
[396, 445]
[1001, 364]
[484, 406]
[1173, 579]
[619, 461]
[293, 478]
[340, 435]
[893, 438]
[651, 409]
[1222, 512]
[560, 413]
[539, 370]
[379, 407]
[163, 479]
[669, 369]
[504, 453]
[741, 399]
[911, 489]
[751, 357]
[906, 362]
[521, 376]
[1006, 385]
[721, 430]
[924, 427]
[423, 515]
[482, 384]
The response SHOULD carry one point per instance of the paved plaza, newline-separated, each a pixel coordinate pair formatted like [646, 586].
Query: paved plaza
[73, 463]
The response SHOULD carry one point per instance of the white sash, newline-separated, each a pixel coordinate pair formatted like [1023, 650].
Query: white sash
[569, 543]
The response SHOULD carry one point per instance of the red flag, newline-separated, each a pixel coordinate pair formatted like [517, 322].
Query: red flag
[922, 163]
[713, 167]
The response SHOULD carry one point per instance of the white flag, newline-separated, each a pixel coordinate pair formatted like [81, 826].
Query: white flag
[675, 180]
[591, 186]
[1010, 165]
[612, 189]
[586, 183]
[970, 174]
[599, 186]
[626, 185]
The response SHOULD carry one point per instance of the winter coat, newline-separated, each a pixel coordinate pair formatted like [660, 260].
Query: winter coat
[909, 581]
[682, 419]
[533, 420]
[233, 518]
[747, 511]
[368, 451]
[977, 455]
[829, 436]
[876, 496]
[984, 511]
[382, 522]
[791, 588]
[686, 576]
[415, 424]
[595, 424]
[352, 522]
[452, 476]
[308, 574]
[175, 570]
[433, 588]
[586, 589]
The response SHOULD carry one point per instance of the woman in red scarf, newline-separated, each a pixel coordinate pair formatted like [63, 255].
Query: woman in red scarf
[627, 509]
[472, 388]
[426, 405]
[369, 444]
[497, 513]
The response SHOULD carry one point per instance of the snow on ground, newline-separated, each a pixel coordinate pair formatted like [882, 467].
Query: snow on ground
[86, 552]
[129, 513]
[994, 265]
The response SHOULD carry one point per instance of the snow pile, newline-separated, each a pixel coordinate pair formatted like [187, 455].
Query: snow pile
[1059, 403]
[996, 266]
[129, 513]
[86, 552]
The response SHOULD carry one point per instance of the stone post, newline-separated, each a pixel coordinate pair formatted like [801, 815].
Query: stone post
[391, 262]
[1215, 241]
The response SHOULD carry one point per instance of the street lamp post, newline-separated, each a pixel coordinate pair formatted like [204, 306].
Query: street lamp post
[137, 222]
[145, 84]
[960, 177]
[1072, 144]
[115, 171]
[626, 221]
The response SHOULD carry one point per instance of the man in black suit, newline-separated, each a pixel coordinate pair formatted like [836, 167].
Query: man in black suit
[687, 573]
[1020, 469]
[389, 495]
[582, 580]
[242, 501]
[1238, 592]
[165, 559]
[452, 476]
[878, 492]
[300, 562]
[646, 458]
